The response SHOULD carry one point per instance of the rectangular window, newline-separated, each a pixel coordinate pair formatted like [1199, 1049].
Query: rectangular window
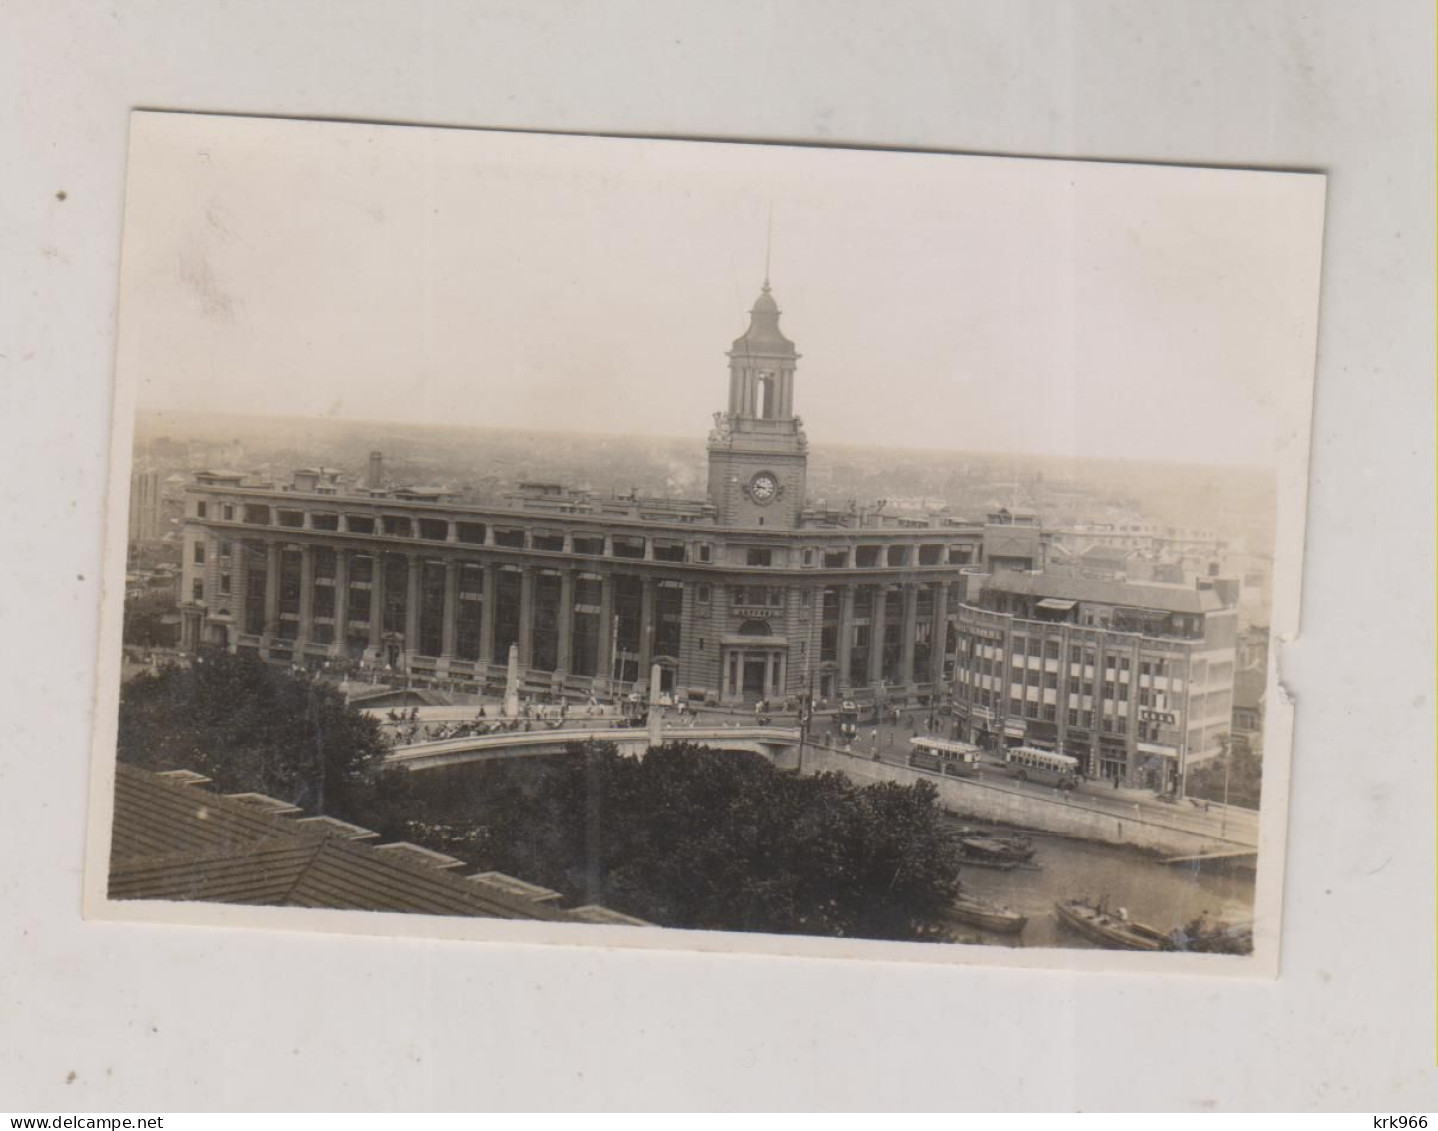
[323, 521]
[197, 590]
[199, 553]
[227, 512]
[836, 559]
[471, 533]
[200, 509]
[705, 551]
[759, 556]
[359, 523]
[225, 584]
[590, 545]
[703, 594]
[434, 529]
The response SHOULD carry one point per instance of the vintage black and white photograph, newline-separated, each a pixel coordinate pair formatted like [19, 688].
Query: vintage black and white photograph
[689, 544]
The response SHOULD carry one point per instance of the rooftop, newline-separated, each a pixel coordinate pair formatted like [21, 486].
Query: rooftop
[1127, 594]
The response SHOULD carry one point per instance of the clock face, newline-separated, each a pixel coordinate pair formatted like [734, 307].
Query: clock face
[764, 487]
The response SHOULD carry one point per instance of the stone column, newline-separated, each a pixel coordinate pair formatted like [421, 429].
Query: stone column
[646, 624]
[564, 656]
[939, 634]
[411, 603]
[725, 684]
[876, 637]
[451, 608]
[605, 664]
[906, 641]
[782, 675]
[342, 602]
[307, 598]
[526, 617]
[272, 589]
[376, 607]
[486, 616]
[240, 586]
[768, 674]
[846, 636]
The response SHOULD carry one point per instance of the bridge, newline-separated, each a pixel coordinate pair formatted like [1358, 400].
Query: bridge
[770, 741]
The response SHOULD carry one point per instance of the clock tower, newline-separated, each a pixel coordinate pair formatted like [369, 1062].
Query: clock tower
[757, 450]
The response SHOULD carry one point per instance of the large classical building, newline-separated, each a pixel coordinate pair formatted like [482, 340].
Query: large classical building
[748, 593]
[745, 594]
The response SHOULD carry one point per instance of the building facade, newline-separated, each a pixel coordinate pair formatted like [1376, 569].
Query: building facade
[145, 505]
[1134, 680]
[746, 594]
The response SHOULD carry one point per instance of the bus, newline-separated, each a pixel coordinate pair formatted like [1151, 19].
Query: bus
[942, 756]
[1030, 764]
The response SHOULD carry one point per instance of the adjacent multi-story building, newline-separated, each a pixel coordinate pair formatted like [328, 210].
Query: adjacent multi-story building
[1134, 680]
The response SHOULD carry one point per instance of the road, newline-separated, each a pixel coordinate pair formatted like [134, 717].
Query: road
[1233, 823]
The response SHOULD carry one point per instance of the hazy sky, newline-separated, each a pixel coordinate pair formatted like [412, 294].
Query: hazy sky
[505, 279]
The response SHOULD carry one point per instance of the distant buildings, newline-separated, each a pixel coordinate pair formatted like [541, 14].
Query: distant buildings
[750, 592]
[145, 504]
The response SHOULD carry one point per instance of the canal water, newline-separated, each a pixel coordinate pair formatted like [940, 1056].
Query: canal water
[1160, 895]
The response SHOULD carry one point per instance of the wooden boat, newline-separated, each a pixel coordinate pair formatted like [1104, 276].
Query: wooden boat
[977, 912]
[1094, 922]
[1012, 849]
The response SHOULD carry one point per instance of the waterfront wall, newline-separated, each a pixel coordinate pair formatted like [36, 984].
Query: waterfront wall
[994, 801]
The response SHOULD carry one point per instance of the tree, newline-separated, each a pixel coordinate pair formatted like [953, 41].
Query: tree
[254, 727]
[702, 838]
[145, 624]
[1245, 778]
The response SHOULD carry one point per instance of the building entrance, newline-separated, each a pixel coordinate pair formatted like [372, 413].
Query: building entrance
[754, 673]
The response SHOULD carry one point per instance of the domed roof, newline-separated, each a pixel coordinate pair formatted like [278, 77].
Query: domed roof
[764, 335]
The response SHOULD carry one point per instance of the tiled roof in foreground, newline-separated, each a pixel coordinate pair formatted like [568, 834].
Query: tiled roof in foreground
[177, 841]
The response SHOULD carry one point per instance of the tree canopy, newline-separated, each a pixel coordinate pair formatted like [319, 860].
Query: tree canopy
[694, 837]
[252, 726]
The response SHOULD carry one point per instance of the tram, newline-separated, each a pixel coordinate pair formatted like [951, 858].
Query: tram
[847, 718]
[942, 756]
[1030, 764]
